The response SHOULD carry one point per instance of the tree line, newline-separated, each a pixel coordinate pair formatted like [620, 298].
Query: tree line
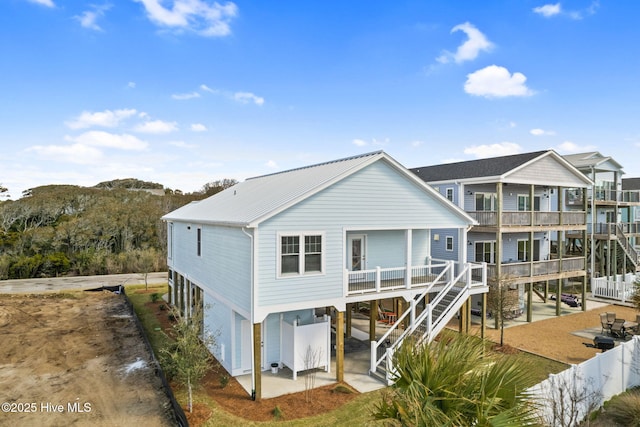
[112, 228]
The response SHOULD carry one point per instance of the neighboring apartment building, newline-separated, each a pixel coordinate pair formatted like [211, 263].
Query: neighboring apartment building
[613, 229]
[524, 216]
[266, 256]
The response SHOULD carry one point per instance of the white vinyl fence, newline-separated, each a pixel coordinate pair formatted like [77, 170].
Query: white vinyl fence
[619, 287]
[568, 397]
[306, 347]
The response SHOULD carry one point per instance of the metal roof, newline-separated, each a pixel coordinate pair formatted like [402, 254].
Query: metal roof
[256, 199]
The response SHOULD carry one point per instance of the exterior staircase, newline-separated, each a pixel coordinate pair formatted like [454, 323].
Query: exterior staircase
[627, 248]
[452, 292]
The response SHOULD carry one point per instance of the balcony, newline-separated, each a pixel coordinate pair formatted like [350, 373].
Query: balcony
[380, 280]
[616, 196]
[538, 268]
[528, 219]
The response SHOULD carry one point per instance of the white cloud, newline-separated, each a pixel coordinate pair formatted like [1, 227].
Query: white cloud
[569, 147]
[210, 20]
[271, 164]
[496, 82]
[471, 48]
[89, 17]
[184, 96]
[246, 97]
[76, 153]
[131, 85]
[416, 144]
[48, 3]
[206, 88]
[106, 118]
[96, 138]
[156, 126]
[541, 132]
[548, 10]
[198, 127]
[493, 150]
[359, 142]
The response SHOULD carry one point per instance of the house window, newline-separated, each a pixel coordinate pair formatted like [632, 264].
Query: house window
[199, 241]
[301, 254]
[523, 250]
[312, 254]
[290, 254]
[450, 194]
[486, 201]
[484, 252]
[449, 243]
[523, 202]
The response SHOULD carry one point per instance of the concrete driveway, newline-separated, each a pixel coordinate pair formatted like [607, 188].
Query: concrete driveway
[77, 283]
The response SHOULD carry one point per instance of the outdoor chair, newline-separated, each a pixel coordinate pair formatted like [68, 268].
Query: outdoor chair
[611, 317]
[617, 329]
[603, 322]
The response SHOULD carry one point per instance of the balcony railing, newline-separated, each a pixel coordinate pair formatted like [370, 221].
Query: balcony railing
[606, 195]
[521, 219]
[389, 279]
[610, 228]
[537, 268]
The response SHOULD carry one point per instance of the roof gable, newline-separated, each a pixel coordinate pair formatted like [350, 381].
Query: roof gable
[257, 199]
[489, 167]
[538, 167]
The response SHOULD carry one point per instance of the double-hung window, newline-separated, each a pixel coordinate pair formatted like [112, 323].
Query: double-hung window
[301, 254]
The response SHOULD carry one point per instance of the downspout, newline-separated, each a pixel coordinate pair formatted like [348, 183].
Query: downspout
[253, 356]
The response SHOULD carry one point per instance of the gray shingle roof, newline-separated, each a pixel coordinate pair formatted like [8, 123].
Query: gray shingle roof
[490, 167]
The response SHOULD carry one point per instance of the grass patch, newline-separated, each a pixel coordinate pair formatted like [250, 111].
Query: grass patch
[147, 317]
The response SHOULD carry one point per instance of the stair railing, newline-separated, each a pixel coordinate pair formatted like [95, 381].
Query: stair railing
[382, 351]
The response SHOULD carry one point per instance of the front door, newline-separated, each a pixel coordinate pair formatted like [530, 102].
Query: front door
[356, 252]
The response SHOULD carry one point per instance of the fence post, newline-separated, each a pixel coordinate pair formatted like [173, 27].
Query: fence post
[378, 281]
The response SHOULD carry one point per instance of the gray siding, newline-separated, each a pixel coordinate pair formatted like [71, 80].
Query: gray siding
[547, 171]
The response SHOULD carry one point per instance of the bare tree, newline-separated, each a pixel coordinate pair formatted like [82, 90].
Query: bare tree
[502, 301]
[312, 360]
[571, 398]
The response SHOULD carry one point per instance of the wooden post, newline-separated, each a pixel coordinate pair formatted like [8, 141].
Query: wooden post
[257, 362]
[373, 318]
[349, 315]
[483, 315]
[584, 293]
[339, 346]
[462, 321]
[530, 303]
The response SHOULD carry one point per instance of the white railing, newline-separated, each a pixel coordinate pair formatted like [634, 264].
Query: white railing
[387, 279]
[618, 287]
[568, 397]
[466, 280]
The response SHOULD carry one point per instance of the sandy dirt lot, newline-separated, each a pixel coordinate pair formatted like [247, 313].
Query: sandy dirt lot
[76, 359]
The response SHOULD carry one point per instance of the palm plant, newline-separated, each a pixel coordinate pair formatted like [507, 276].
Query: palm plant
[455, 382]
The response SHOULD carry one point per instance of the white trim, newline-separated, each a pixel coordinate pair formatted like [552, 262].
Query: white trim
[301, 255]
[446, 244]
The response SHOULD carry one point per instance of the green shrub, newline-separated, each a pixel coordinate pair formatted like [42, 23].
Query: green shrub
[155, 297]
[277, 413]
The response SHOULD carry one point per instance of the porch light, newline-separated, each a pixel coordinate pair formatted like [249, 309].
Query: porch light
[470, 243]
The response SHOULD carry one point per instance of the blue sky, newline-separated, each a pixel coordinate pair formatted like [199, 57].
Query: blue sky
[184, 92]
